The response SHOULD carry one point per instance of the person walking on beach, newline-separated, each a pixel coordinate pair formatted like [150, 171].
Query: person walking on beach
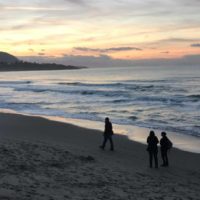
[152, 148]
[108, 132]
[165, 145]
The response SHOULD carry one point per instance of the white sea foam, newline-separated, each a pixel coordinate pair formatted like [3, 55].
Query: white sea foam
[160, 98]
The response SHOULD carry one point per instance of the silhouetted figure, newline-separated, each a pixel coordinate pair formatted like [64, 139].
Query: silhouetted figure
[165, 145]
[152, 148]
[108, 132]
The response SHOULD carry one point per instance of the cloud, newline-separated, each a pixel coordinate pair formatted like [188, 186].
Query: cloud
[179, 40]
[176, 40]
[126, 23]
[173, 41]
[165, 52]
[41, 54]
[123, 49]
[195, 45]
[44, 5]
[155, 9]
[29, 8]
[189, 2]
[107, 50]
[79, 2]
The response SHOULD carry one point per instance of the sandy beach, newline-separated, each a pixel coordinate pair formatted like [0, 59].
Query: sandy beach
[43, 159]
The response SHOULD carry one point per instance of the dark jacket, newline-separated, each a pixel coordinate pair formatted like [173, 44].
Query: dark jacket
[165, 143]
[108, 129]
[152, 142]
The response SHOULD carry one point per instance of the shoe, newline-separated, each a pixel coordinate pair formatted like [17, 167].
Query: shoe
[111, 149]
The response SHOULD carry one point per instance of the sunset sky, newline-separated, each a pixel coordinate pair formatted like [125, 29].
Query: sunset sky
[118, 29]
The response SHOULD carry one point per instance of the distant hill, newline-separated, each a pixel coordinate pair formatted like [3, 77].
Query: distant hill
[9, 62]
[7, 58]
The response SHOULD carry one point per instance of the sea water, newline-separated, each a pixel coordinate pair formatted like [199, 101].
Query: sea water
[164, 98]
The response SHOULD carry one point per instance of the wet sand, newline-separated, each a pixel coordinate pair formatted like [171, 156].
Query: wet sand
[43, 159]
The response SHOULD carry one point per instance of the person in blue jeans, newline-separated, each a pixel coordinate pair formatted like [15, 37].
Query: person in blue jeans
[108, 133]
[152, 148]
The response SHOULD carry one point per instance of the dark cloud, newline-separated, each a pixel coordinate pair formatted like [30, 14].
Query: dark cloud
[195, 45]
[124, 49]
[41, 54]
[107, 50]
[165, 52]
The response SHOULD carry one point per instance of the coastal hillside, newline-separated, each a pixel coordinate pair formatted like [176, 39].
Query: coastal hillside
[7, 58]
[9, 62]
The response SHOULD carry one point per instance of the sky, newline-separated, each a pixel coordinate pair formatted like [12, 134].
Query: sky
[100, 30]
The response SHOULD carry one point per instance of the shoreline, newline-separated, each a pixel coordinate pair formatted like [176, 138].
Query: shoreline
[28, 127]
[38, 70]
[183, 142]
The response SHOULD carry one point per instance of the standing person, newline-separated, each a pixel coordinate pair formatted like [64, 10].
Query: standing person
[165, 145]
[152, 148]
[108, 132]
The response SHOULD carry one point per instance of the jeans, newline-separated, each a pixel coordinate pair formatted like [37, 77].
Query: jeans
[106, 138]
[164, 157]
[153, 155]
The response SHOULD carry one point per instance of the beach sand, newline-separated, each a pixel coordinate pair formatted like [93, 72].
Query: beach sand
[47, 160]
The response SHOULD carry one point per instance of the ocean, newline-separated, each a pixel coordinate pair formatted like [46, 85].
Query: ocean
[163, 98]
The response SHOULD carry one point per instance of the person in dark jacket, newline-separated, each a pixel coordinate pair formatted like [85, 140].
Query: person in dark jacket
[108, 132]
[152, 148]
[165, 145]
